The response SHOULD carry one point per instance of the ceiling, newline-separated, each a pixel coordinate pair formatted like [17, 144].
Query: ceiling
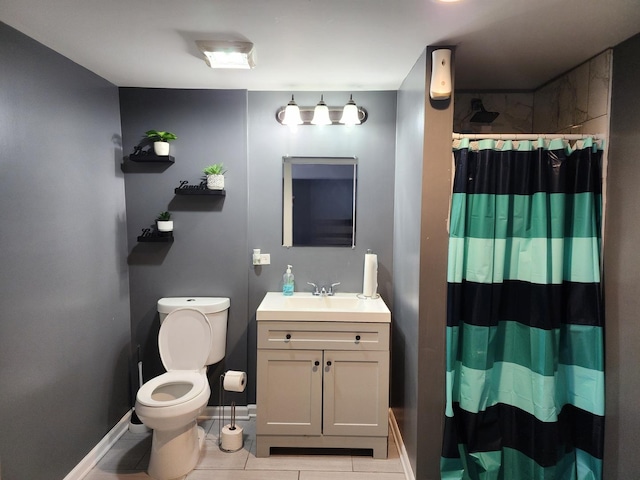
[325, 45]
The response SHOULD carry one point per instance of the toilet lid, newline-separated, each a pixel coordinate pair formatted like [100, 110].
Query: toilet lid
[184, 340]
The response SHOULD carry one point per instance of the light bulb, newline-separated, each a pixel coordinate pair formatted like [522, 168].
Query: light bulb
[350, 115]
[321, 113]
[292, 114]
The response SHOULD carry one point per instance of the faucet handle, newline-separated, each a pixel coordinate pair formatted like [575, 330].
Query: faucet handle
[331, 292]
[315, 288]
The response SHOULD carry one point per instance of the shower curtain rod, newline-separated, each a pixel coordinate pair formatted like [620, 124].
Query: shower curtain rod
[524, 136]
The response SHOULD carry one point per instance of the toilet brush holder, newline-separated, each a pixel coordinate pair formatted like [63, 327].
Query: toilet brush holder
[135, 424]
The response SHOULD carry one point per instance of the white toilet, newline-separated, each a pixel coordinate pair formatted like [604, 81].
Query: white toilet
[193, 334]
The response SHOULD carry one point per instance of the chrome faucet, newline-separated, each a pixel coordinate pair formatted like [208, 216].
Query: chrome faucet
[315, 292]
[323, 291]
[331, 292]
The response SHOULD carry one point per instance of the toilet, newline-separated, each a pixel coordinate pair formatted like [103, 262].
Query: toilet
[193, 333]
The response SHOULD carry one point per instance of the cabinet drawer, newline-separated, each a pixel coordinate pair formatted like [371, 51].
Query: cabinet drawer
[323, 335]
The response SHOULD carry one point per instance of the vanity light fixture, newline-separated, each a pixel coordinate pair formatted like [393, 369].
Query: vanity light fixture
[224, 54]
[292, 114]
[321, 114]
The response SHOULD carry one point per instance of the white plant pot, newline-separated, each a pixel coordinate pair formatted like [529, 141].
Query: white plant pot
[215, 182]
[161, 148]
[165, 226]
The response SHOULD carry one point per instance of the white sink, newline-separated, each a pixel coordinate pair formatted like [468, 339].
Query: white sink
[346, 307]
[335, 302]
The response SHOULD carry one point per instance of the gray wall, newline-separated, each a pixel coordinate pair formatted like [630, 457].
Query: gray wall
[64, 327]
[622, 267]
[423, 183]
[214, 238]
[406, 254]
[209, 256]
[373, 143]
[436, 191]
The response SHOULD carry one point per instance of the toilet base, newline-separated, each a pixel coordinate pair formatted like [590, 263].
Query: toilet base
[175, 453]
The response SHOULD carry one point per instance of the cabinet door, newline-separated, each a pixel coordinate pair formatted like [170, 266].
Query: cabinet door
[356, 393]
[289, 392]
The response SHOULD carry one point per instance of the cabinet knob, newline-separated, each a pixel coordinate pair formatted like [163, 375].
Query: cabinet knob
[357, 338]
[288, 336]
[328, 363]
[316, 363]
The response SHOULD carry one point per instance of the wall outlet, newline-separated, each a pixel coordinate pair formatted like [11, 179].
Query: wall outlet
[265, 259]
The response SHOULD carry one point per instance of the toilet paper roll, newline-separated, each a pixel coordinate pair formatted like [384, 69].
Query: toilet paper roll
[231, 440]
[370, 280]
[234, 381]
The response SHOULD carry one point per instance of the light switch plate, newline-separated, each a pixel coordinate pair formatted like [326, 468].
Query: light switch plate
[265, 259]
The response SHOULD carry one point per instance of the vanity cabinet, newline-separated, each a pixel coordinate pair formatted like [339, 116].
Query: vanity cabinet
[322, 384]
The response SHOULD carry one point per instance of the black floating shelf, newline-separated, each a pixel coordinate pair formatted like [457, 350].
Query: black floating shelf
[199, 191]
[152, 158]
[166, 237]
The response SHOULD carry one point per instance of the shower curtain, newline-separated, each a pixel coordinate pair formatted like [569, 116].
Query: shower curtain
[524, 336]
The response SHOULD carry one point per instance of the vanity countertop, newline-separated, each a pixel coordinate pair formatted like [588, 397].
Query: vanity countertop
[341, 307]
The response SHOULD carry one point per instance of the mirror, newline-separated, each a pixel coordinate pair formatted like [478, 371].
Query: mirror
[319, 201]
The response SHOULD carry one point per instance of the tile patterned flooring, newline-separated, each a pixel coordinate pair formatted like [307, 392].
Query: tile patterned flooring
[129, 457]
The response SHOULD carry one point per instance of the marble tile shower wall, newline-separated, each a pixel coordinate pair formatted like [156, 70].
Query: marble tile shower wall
[576, 102]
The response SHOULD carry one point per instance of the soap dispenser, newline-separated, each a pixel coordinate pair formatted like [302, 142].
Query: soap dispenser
[287, 282]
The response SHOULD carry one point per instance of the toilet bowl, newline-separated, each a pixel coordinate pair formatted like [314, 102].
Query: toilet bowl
[171, 403]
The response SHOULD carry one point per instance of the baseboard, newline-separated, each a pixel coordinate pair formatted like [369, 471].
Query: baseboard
[243, 412]
[402, 451]
[92, 458]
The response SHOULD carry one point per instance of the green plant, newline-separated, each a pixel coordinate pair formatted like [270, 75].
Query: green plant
[164, 217]
[158, 136]
[215, 169]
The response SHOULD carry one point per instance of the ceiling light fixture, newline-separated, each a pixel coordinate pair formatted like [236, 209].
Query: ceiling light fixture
[322, 114]
[223, 54]
[292, 114]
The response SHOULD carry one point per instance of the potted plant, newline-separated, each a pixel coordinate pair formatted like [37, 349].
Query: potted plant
[215, 176]
[164, 222]
[160, 141]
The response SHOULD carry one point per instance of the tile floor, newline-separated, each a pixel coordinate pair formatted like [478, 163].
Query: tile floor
[129, 457]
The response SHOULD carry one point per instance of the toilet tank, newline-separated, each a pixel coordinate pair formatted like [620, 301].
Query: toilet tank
[216, 310]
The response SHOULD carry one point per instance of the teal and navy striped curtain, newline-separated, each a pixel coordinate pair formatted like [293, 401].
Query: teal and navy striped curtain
[525, 360]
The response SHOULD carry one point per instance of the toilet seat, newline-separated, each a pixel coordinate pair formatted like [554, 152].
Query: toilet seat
[195, 381]
[184, 340]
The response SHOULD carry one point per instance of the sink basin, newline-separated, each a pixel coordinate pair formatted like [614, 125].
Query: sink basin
[336, 302]
[303, 306]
